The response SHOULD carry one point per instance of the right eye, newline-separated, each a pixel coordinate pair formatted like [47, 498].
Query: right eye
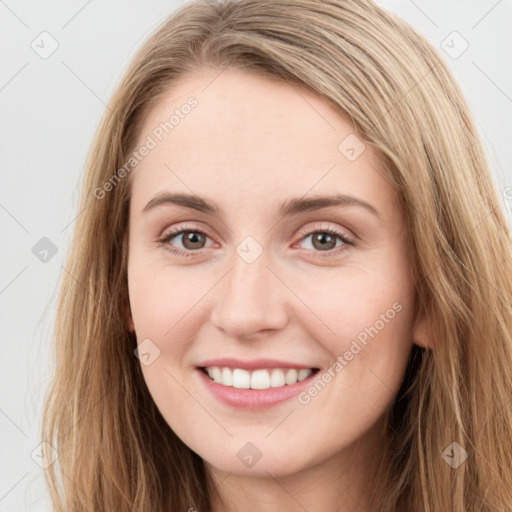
[192, 240]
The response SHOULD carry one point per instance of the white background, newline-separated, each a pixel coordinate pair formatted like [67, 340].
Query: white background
[49, 111]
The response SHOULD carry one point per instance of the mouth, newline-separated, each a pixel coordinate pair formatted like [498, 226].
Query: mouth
[261, 378]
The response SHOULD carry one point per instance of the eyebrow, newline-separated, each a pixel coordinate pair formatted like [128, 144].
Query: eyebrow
[290, 207]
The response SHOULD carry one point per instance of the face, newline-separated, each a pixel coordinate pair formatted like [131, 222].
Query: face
[262, 283]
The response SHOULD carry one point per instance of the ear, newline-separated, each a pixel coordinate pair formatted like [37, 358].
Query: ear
[129, 320]
[422, 334]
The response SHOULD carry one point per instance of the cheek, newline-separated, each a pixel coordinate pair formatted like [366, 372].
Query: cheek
[363, 319]
[168, 308]
[161, 298]
[164, 308]
[369, 351]
[347, 301]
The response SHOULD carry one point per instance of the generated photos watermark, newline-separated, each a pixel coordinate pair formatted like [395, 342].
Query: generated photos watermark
[342, 361]
[157, 135]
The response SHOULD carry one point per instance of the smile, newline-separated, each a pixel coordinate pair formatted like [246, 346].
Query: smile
[263, 378]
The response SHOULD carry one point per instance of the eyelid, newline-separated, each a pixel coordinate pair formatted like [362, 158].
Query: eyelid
[180, 228]
[319, 227]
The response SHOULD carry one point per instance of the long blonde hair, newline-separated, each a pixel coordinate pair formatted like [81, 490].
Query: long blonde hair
[115, 450]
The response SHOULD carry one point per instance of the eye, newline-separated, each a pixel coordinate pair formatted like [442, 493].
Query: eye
[324, 239]
[192, 240]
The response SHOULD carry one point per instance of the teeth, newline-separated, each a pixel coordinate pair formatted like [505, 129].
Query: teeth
[227, 377]
[291, 377]
[216, 374]
[277, 378]
[304, 373]
[241, 378]
[258, 379]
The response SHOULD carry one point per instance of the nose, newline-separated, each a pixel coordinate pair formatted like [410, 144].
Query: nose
[251, 299]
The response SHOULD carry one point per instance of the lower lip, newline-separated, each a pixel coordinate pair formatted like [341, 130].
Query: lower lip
[254, 398]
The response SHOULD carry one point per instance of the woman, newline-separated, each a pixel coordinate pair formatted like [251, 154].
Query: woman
[290, 284]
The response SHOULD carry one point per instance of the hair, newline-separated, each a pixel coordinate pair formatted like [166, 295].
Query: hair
[115, 450]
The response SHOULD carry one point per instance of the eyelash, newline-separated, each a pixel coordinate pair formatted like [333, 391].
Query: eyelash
[347, 241]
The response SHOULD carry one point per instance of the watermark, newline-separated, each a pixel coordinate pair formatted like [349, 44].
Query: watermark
[44, 45]
[44, 455]
[454, 45]
[249, 249]
[147, 352]
[152, 140]
[454, 455]
[44, 250]
[343, 361]
[351, 147]
[249, 455]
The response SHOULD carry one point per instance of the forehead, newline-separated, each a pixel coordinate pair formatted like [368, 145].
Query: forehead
[247, 137]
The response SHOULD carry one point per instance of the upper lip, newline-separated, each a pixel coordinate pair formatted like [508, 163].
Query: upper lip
[253, 364]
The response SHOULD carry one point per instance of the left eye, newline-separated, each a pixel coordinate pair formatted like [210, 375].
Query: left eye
[326, 239]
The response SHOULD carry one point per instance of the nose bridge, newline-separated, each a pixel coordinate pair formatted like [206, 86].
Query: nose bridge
[250, 299]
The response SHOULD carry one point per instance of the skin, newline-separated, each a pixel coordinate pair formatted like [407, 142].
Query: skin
[250, 145]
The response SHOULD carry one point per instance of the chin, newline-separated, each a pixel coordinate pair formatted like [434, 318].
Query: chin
[238, 462]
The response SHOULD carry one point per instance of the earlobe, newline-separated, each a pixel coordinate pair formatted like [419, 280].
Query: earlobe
[422, 335]
[131, 325]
